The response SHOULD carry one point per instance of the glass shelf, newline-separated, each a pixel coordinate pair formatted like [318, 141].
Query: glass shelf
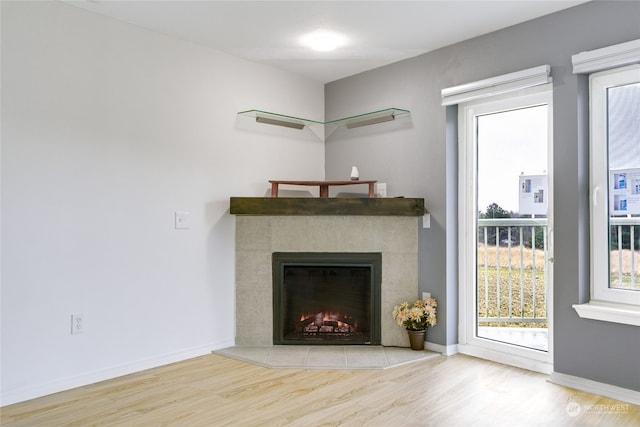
[279, 119]
[365, 119]
[371, 118]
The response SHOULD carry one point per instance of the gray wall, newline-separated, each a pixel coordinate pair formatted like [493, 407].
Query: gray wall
[417, 158]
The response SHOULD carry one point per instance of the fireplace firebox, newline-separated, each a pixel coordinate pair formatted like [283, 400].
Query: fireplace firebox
[326, 298]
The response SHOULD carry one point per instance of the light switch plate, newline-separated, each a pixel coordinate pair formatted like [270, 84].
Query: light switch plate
[183, 220]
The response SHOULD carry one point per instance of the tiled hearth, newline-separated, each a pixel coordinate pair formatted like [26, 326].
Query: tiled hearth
[326, 357]
[258, 236]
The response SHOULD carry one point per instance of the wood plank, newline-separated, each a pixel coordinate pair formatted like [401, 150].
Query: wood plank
[214, 390]
[326, 206]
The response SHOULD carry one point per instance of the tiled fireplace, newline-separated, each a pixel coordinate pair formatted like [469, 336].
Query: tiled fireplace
[371, 228]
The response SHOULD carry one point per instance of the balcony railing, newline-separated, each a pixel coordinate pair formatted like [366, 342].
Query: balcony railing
[512, 267]
[624, 262]
[512, 272]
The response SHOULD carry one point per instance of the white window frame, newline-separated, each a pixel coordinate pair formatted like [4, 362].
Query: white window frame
[606, 304]
[599, 83]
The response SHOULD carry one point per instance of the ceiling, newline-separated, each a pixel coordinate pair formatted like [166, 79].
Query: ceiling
[378, 32]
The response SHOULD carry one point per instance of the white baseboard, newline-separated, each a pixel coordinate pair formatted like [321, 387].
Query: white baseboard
[8, 397]
[445, 350]
[595, 387]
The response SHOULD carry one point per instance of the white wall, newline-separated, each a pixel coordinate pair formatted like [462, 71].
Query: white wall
[107, 130]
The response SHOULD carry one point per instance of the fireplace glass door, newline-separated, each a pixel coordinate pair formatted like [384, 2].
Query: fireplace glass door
[326, 298]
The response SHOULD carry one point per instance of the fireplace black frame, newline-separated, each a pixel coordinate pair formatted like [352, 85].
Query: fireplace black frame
[371, 260]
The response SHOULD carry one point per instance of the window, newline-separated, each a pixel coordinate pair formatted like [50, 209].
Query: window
[615, 196]
[615, 166]
[614, 101]
[615, 180]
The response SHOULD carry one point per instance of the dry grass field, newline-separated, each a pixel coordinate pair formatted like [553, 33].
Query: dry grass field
[625, 259]
[502, 254]
[515, 286]
[519, 292]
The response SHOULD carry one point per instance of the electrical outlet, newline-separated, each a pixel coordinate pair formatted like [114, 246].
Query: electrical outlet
[77, 323]
[381, 189]
[426, 295]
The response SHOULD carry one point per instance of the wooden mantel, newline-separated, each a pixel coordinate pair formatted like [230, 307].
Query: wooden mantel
[399, 206]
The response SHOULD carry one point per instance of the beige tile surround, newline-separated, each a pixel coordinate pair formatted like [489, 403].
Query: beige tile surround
[326, 357]
[257, 237]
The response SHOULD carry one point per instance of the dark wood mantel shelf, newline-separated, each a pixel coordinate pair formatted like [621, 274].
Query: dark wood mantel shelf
[400, 206]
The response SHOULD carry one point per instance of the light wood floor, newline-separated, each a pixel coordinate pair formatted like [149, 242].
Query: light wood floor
[214, 390]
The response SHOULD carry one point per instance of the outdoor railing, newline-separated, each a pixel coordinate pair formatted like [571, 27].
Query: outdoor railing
[512, 272]
[512, 267]
[622, 263]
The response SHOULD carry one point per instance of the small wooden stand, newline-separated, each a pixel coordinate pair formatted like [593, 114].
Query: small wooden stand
[324, 186]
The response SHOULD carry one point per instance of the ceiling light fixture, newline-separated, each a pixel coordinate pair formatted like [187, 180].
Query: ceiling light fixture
[323, 41]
